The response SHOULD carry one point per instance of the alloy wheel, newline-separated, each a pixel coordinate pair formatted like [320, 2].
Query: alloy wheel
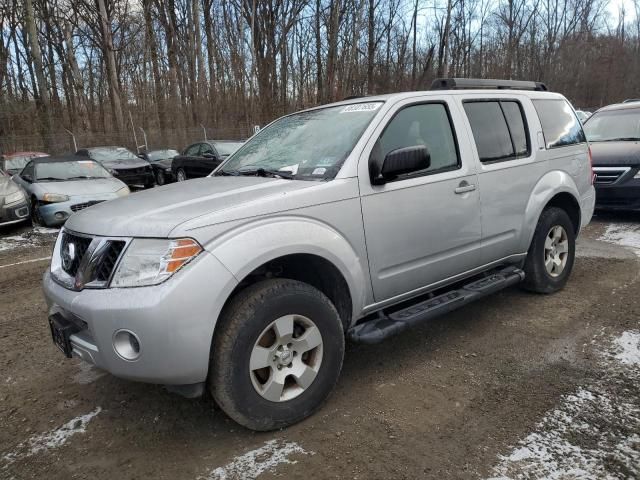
[556, 251]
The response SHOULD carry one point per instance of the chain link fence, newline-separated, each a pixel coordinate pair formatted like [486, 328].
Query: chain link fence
[63, 142]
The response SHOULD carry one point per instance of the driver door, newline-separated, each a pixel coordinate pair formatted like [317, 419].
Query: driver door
[421, 228]
[208, 160]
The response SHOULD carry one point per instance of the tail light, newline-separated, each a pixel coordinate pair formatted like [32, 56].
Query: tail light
[593, 175]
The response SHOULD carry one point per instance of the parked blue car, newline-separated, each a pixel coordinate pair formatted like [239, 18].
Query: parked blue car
[59, 186]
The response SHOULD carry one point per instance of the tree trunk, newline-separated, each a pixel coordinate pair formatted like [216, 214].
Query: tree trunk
[110, 59]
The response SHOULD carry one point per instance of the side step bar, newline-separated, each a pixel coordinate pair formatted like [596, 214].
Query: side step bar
[385, 326]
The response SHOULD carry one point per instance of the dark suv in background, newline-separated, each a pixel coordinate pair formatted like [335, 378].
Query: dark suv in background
[614, 135]
[123, 164]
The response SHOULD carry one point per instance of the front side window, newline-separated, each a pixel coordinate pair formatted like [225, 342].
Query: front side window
[614, 125]
[206, 148]
[499, 129]
[28, 171]
[421, 125]
[560, 126]
[193, 150]
[309, 145]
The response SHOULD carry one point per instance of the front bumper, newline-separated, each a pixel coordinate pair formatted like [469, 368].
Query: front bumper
[54, 214]
[173, 321]
[135, 177]
[14, 212]
[621, 194]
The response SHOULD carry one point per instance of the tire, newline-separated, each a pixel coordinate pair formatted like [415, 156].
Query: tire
[36, 218]
[538, 278]
[160, 180]
[245, 322]
[181, 175]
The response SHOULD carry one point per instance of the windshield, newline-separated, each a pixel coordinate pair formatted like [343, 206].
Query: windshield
[309, 145]
[16, 164]
[156, 155]
[227, 148]
[71, 170]
[108, 154]
[613, 125]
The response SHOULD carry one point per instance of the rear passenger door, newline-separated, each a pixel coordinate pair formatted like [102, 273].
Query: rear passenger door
[508, 169]
[421, 228]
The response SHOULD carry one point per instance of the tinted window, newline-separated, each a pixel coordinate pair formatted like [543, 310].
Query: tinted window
[193, 150]
[560, 125]
[206, 148]
[612, 125]
[427, 125]
[490, 131]
[516, 123]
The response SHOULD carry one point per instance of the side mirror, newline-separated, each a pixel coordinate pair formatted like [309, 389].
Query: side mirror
[398, 162]
[27, 178]
[142, 156]
[209, 155]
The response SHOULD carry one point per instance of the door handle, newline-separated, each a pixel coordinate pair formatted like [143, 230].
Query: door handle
[464, 187]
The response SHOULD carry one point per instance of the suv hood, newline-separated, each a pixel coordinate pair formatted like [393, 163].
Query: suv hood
[158, 211]
[129, 163]
[615, 154]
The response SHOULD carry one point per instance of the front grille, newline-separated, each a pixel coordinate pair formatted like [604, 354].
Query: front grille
[97, 270]
[109, 260]
[608, 175]
[81, 206]
[71, 261]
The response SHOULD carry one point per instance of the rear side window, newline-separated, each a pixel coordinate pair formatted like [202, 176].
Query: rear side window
[560, 126]
[499, 129]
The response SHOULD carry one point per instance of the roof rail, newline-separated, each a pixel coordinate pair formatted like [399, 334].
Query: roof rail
[481, 83]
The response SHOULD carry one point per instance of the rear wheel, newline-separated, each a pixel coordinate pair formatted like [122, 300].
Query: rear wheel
[181, 175]
[276, 355]
[552, 252]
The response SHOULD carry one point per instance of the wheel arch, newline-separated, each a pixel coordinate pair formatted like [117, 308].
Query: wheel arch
[558, 189]
[301, 249]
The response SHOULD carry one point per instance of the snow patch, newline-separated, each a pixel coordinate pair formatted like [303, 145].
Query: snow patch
[588, 435]
[38, 236]
[52, 439]
[627, 347]
[256, 462]
[626, 234]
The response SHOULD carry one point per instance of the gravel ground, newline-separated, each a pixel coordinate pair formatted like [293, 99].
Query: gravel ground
[516, 386]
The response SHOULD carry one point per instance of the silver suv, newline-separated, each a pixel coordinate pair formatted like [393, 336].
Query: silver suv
[353, 220]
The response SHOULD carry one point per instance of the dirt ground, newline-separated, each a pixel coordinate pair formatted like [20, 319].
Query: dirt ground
[515, 386]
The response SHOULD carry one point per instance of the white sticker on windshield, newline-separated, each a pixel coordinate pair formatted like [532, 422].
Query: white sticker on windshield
[361, 107]
[319, 171]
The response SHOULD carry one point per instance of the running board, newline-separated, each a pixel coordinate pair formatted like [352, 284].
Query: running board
[385, 326]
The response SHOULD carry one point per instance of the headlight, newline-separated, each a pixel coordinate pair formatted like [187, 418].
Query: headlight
[54, 197]
[168, 169]
[14, 197]
[150, 261]
[124, 191]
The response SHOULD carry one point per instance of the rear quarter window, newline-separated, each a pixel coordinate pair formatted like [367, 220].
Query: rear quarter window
[560, 126]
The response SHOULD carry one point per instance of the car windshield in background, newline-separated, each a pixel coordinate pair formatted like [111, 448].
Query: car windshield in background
[71, 170]
[308, 145]
[227, 148]
[16, 164]
[612, 125]
[108, 154]
[156, 155]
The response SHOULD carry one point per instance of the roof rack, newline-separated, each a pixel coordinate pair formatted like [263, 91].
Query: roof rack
[480, 83]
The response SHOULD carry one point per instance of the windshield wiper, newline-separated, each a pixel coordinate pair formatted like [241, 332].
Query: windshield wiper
[81, 177]
[621, 139]
[259, 171]
[53, 179]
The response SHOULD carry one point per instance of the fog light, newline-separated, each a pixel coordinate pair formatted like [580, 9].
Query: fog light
[126, 344]
[60, 215]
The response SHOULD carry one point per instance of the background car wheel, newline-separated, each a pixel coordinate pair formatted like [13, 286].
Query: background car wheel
[276, 355]
[160, 177]
[181, 175]
[36, 218]
[551, 254]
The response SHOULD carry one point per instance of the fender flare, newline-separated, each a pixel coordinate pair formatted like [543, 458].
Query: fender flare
[550, 185]
[274, 237]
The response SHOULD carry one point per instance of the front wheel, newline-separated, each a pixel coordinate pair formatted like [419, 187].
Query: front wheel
[552, 252]
[36, 218]
[277, 354]
[181, 175]
[160, 178]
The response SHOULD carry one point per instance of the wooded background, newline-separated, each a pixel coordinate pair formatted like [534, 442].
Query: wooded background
[183, 69]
